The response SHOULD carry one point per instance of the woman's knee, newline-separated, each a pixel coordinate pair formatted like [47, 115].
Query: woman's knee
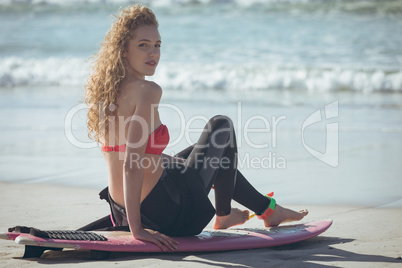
[221, 119]
[222, 131]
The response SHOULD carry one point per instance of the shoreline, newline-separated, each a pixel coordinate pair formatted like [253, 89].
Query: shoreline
[359, 236]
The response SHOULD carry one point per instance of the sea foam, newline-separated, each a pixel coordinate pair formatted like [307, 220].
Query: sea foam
[16, 71]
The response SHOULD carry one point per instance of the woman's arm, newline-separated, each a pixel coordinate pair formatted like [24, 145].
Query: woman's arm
[147, 97]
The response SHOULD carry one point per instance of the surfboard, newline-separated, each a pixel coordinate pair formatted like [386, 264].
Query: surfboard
[207, 241]
[9, 235]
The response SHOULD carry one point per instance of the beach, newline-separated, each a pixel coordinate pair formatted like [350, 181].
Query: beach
[359, 237]
[314, 90]
[361, 193]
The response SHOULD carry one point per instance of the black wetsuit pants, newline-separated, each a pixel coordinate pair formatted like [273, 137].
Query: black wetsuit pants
[178, 204]
[214, 156]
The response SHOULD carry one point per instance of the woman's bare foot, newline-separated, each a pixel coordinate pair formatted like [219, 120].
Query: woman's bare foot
[236, 217]
[282, 215]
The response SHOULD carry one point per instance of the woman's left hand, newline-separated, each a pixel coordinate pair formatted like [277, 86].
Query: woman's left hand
[157, 238]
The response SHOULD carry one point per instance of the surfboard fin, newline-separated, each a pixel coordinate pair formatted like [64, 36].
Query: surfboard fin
[99, 255]
[36, 251]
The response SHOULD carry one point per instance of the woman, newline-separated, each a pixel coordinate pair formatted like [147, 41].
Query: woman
[157, 200]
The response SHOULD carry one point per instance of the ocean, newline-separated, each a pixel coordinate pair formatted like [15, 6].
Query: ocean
[240, 45]
[264, 63]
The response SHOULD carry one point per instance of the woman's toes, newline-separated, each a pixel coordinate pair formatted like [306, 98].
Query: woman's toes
[303, 212]
[282, 215]
[235, 217]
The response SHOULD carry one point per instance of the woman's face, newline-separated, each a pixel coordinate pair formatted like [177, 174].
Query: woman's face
[143, 51]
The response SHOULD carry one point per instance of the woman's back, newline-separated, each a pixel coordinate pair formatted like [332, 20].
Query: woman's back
[133, 92]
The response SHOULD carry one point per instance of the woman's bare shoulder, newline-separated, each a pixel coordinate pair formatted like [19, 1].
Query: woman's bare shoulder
[141, 90]
[137, 91]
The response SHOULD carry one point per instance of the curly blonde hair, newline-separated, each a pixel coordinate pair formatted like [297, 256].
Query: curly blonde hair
[108, 69]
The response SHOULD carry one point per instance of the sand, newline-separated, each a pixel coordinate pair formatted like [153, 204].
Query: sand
[359, 236]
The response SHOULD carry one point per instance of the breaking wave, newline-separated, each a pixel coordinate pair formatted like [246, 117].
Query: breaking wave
[16, 71]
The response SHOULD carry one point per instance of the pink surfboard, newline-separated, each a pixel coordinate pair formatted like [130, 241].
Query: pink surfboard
[222, 240]
[9, 236]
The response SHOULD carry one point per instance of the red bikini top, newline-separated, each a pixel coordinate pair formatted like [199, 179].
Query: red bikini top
[157, 142]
